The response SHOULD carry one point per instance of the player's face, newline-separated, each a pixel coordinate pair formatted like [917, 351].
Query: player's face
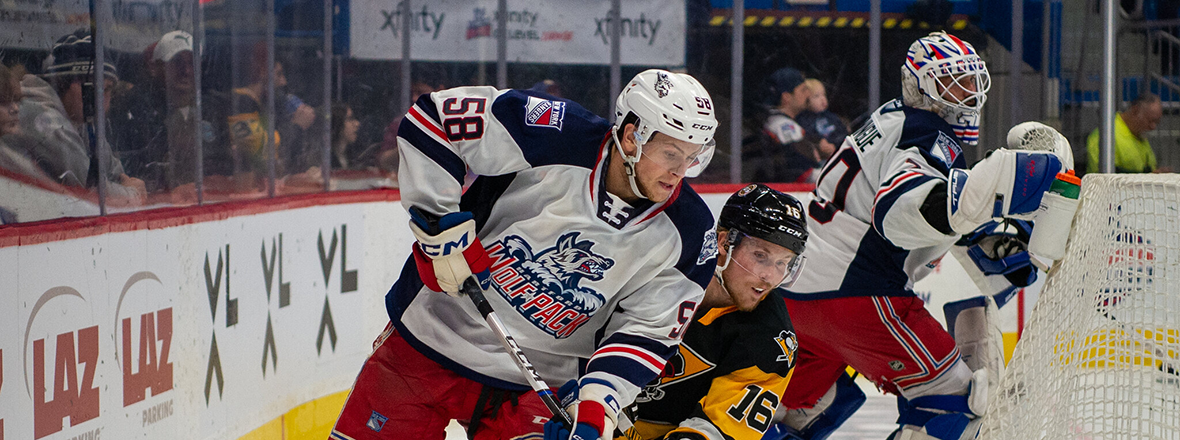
[958, 89]
[662, 165]
[756, 267]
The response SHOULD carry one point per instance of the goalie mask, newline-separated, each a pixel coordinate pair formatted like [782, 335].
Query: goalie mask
[675, 104]
[945, 75]
[761, 212]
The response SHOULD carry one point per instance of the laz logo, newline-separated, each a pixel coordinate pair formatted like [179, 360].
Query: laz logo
[543, 286]
[74, 395]
[153, 370]
[544, 113]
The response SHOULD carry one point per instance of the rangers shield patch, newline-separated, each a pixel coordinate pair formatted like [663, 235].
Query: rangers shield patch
[544, 113]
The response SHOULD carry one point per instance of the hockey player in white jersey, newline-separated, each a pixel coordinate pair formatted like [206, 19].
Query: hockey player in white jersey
[587, 242]
[888, 205]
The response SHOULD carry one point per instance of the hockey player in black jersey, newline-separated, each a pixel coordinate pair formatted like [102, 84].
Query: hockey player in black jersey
[733, 365]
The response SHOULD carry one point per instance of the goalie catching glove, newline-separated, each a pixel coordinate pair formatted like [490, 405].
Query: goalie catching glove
[448, 251]
[594, 408]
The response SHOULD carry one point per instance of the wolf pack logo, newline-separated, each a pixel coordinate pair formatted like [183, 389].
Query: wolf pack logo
[544, 113]
[543, 286]
[788, 343]
[663, 85]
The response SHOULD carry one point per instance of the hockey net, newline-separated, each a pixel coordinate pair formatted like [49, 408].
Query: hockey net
[1100, 356]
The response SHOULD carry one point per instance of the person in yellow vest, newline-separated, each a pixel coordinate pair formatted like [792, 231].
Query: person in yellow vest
[1132, 152]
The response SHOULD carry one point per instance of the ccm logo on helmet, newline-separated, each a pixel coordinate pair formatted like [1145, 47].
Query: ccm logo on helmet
[702, 127]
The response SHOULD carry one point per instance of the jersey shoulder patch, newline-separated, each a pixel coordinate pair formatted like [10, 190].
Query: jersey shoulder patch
[933, 137]
[541, 112]
[551, 131]
[694, 222]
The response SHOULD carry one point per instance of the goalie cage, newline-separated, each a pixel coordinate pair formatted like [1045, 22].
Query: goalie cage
[1100, 356]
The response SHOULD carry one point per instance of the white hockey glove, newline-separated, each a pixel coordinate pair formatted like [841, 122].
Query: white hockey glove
[1004, 184]
[594, 407]
[1035, 136]
[448, 251]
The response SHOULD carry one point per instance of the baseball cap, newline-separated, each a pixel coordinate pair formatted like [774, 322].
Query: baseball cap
[73, 55]
[784, 80]
[170, 44]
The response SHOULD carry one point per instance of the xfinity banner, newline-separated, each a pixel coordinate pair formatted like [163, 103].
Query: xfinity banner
[564, 31]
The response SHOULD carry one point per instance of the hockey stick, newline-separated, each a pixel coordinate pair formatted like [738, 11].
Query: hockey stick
[472, 289]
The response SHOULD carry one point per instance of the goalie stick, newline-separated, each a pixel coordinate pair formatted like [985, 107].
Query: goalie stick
[472, 290]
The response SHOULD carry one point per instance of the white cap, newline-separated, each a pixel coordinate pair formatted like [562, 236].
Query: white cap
[171, 44]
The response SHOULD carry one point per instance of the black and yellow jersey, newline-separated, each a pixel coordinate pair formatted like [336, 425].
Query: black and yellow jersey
[727, 378]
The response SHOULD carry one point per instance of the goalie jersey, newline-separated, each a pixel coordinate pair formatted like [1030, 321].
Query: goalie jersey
[868, 235]
[726, 380]
[587, 284]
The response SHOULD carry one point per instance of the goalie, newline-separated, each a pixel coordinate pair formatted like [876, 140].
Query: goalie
[888, 206]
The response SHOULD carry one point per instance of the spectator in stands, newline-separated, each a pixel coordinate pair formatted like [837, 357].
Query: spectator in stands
[345, 126]
[1132, 152]
[783, 153]
[153, 122]
[302, 144]
[824, 129]
[54, 117]
[247, 126]
[387, 156]
[344, 154]
[12, 160]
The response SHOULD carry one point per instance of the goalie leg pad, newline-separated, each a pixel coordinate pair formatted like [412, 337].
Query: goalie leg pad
[820, 421]
[944, 417]
[974, 323]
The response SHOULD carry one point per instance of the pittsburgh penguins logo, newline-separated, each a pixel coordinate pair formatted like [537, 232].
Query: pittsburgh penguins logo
[788, 343]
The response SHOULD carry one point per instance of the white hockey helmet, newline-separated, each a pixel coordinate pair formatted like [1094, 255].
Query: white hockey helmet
[942, 55]
[674, 104]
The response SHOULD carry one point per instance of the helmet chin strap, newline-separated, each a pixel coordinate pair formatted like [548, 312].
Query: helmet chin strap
[719, 271]
[629, 162]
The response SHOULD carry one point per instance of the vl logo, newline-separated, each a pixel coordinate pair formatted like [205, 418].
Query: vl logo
[268, 276]
[544, 287]
[348, 282]
[213, 279]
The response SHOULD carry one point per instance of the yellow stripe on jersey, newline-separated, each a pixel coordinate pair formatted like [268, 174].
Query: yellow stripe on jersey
[715, 313]
[742, 403]
[648, 430]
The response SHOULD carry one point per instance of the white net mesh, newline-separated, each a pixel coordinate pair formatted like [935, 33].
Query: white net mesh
[1100, 356]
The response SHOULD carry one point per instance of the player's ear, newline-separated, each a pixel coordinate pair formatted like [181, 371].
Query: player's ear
[722, 243]
[628, 139]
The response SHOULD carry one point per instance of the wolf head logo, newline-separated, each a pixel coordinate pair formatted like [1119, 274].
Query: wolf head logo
[571, 261]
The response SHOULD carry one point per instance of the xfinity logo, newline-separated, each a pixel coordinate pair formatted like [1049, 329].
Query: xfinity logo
[423, 21]
[631, 28]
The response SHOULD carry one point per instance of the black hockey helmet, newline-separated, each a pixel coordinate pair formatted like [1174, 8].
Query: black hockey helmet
[761, 212]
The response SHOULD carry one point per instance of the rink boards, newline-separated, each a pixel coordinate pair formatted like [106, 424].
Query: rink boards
[224, 321]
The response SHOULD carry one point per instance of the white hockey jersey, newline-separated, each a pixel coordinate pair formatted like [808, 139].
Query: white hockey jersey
[868, 237]
[587, 284]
